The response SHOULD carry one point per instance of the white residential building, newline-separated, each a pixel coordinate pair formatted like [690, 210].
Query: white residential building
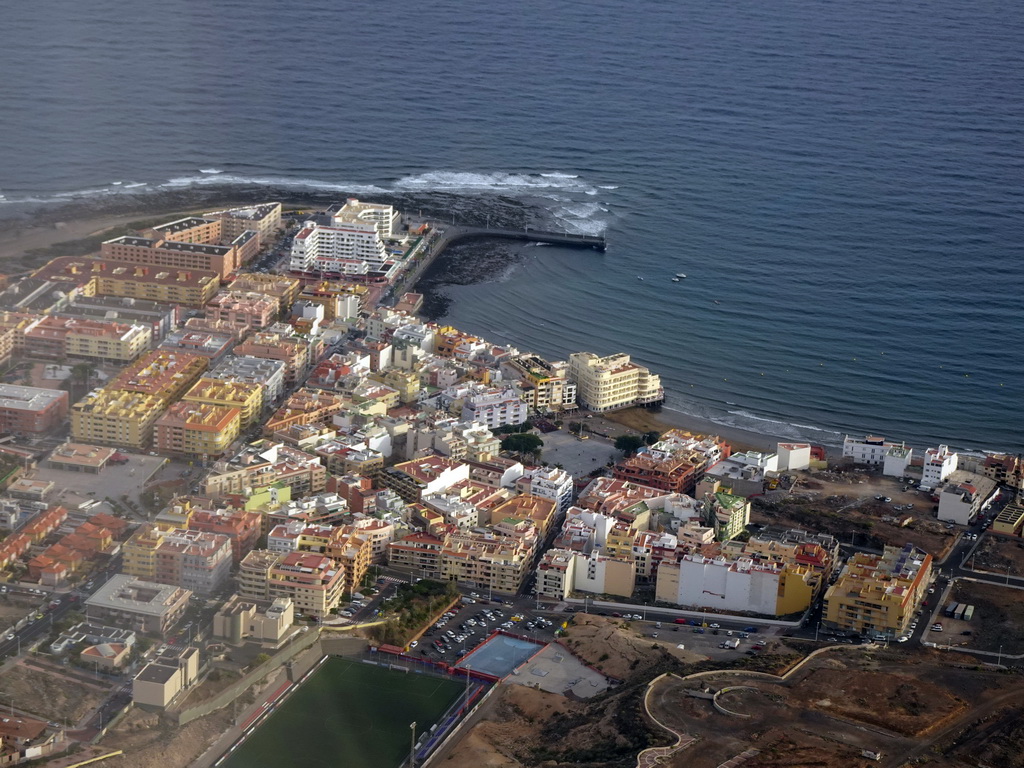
[868, 450]
[353, 249]
[896, 461]
[548, 483]
[794, 456]
[963, 497]
[257, 370]
[720, 584]
[494, 406]
[382, 216]
[938, 464]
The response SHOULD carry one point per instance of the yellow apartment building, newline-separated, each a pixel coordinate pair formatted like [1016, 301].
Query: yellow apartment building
[163, 374]
[197, 430]
[246, 396]
[113, 417]
[879, 593]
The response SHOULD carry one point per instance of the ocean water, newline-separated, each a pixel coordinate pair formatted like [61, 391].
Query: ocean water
[842, 183]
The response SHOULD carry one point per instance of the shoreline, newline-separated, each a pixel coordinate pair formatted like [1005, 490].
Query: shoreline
[75, 223]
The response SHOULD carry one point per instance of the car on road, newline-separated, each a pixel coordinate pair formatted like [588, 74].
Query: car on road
[716, 626]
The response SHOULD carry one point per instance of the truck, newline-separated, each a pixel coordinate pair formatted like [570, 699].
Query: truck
[969, 613]
[731, 644]
[951, 609]
[962, 610]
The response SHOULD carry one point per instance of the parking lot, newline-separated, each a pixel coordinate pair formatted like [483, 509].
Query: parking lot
[463, 629]
[113, 481]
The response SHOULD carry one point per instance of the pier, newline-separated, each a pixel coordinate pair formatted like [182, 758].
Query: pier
[455, 233]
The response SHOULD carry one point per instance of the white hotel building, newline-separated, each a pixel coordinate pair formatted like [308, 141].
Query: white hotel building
[353, 244]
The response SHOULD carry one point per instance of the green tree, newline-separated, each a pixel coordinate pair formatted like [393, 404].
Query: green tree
[576, 427]
[628, 444]
[523, 443]
[650, 438]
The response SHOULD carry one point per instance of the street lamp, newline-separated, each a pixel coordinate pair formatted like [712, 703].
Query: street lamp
[999, 660]
[412, 744]
[645, 610]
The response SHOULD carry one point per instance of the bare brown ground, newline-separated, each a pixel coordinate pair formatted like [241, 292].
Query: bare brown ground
[998, 618]
[51, 697]
[149, 742]
[997, 553]
[610, 646]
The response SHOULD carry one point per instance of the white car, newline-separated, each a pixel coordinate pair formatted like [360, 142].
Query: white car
[902, 638]
[414, 643]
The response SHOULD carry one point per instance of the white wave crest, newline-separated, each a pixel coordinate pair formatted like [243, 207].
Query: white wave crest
[210, 170]
[466, 181]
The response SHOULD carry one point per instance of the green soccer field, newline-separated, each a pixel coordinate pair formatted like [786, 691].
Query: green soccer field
[348, 715]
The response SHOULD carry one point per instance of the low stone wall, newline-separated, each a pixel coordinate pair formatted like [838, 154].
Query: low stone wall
[262, 672]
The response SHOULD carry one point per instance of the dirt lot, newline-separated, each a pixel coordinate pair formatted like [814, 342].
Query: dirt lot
[617, 650]
[995, 553]
[50, 696]
[150, 742]
[844, 504]
[998, 617]
[527, 727]
[10, 613]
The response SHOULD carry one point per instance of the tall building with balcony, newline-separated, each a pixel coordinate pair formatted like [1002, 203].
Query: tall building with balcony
[264, 219]
[938, 464]
[292, 351]
[253, 370]
[545, 385]
[613, 382]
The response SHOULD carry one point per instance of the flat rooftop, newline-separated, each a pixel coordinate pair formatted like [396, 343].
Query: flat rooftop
[21, 398]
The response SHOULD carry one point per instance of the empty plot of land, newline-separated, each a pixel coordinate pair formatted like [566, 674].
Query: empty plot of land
[999, 554]
[351, 710]
[49, 696]
[998, 617]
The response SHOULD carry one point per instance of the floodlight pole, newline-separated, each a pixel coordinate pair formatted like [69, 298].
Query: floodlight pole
[412, 744]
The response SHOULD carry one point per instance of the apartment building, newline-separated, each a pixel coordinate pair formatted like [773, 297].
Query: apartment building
[259, 465]
[340, 300]
[243, 310]
[556, 574]
[31, 410]
[879, 593]
[384, 216]
[306, 406]
[675, 473]
[729, 515]
[938, 464]
[1010, 520]
[494, 406]
[486, 560]
[963, 497]
[870, 450]
[196, 560]
[283, 289]
[412, 480]
[545, 386]
[59, 337]
[613, 382]
[738, 584]
[253, 370]
[211, 345]
[538, 510]
[314, 583]
[247, 397]
[162, 374]
[548, 483]
[291, 350]
[196, 430]
[188, 287]
[242, 528]
[164, 253]
[354, 248]
[143, 606]
[263, 219]
[114, 417]
[418, 553]
[1004, 469]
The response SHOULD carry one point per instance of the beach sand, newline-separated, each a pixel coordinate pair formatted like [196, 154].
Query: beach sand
[664, 419]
